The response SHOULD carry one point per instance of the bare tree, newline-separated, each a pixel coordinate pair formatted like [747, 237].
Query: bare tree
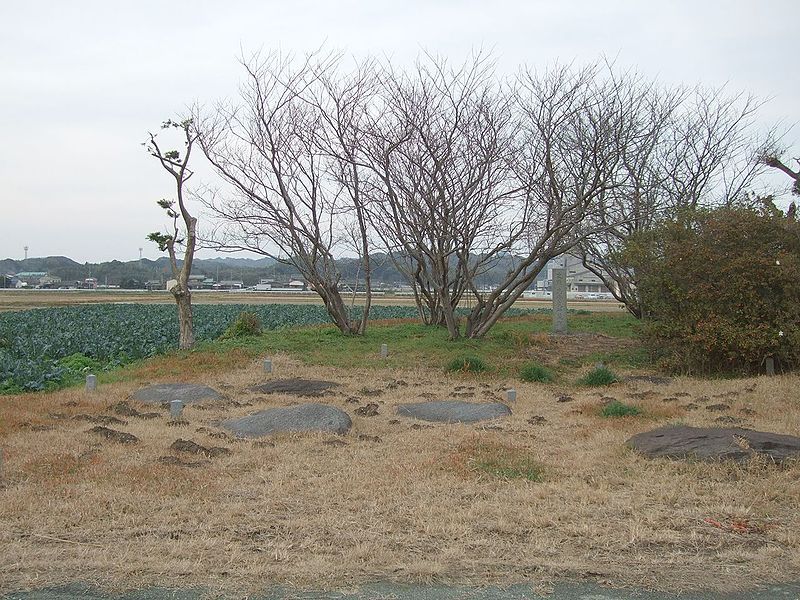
[183, 232]
[571, 127]
[773, 160]
[285, 151]
[688, 148]
[438, 148]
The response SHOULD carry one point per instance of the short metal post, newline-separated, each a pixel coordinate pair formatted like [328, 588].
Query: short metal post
[91, 383]
[770, 364]
[267, 365]
[384, 350]
[511, 395]
[175, 409]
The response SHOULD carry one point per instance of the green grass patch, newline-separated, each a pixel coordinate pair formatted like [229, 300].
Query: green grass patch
[466, 364]
[412, 343]
[599, 376]
[620, 409]
[534, 372]
[502, 461]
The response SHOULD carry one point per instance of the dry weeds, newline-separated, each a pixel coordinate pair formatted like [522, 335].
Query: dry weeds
[395, 501]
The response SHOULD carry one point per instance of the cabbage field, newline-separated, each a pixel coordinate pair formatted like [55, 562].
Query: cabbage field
[46, 348]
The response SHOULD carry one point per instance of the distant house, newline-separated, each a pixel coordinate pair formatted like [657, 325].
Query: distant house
[229, 285]
[8, 281]
[154, 284]
[580, 280]
[49, 281]
[196, 281]
[30, 278]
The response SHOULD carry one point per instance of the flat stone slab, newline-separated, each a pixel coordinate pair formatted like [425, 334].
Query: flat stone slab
[295, 387]
[296, 419]
[454, 411]
[167, 392]
[715, 443]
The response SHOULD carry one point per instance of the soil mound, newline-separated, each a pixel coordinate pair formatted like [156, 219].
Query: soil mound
[713, 443]
[298, 419]
[454, 411]
[113, 435]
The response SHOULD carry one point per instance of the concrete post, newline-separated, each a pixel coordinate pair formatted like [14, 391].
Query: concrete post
[560, 300]
[511, 395]
[267, 365]
[770, 364]
[175, 409]
[91, 383]
[384, 350]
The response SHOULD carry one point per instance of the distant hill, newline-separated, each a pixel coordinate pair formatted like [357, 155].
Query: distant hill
[136, 272]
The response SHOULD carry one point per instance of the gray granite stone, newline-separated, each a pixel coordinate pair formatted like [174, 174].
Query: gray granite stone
[454, 411]
[164, 393]
[560, 300]
[300, 418]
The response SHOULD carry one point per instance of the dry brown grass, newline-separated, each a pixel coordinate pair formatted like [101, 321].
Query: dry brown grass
[409, 507]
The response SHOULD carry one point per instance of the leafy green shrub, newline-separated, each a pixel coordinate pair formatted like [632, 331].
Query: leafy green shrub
[620, 409]
[79, 363]
[535, 372]
[599, 376]
[246, 324]
[466, 364]
[721, 290]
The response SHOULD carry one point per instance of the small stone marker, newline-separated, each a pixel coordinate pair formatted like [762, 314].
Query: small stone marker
[560, 300]
[175, 409]
[91, 383]
[770, 364]
[267, 365]
[1, 467]
[384, 350]
[511, 395]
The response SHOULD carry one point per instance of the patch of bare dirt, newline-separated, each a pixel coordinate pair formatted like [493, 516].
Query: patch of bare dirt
[370, 410]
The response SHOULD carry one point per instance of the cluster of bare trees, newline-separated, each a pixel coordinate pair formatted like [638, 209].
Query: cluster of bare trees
[449, 170]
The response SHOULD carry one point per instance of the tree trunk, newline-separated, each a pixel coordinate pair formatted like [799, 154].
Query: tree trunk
[336, 307]
[184, 301]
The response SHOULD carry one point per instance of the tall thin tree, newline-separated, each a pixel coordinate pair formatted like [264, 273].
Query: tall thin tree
[183, 232]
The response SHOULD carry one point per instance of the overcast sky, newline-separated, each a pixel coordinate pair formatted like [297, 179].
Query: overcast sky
[81, 82]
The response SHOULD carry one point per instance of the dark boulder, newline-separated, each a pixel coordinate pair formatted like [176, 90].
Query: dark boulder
[714, 443]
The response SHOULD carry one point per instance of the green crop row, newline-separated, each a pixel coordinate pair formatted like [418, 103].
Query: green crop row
[46, 348]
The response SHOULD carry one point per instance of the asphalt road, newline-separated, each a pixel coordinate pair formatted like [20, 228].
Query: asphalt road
[564, 591]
